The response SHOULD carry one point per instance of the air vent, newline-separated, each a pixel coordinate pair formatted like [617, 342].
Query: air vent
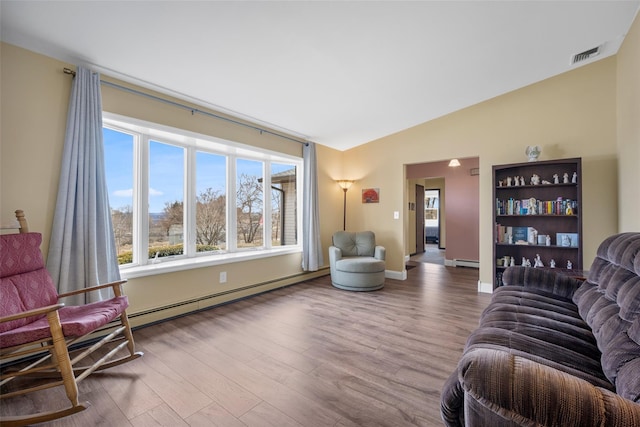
[583, 56]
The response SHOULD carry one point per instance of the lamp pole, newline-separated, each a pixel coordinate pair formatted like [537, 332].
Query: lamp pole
[344, 214]
[344, 184]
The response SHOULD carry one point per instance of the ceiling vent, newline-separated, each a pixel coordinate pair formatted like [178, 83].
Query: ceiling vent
[583, 56]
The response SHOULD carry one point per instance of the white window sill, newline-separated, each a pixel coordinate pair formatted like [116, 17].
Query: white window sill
[170, 266]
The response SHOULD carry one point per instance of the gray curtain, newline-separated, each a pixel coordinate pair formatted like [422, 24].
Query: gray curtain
[311, 246]
[82, 251]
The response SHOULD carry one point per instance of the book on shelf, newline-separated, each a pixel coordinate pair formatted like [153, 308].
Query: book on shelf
[519, 235]
[532, 206]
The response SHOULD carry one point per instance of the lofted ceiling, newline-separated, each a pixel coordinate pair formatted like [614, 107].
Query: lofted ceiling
[340, 73]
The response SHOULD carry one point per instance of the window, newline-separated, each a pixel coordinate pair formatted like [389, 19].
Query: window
[185, 198]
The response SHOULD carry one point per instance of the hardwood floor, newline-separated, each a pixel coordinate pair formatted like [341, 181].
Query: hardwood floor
[305, 355]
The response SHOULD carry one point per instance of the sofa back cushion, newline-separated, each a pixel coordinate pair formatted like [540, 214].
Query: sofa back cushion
[361, 243]
[25, 284]
[609, 301]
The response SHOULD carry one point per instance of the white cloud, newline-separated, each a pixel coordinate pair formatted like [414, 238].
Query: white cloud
[129, 192]
[124, 193]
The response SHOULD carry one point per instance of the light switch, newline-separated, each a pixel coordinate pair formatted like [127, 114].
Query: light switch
[396, 215]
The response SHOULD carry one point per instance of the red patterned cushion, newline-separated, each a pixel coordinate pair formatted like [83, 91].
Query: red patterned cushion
[76, 321]
[25, 284]
[20, 253]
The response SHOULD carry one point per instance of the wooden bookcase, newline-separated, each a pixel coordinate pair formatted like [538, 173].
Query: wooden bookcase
[558, 209]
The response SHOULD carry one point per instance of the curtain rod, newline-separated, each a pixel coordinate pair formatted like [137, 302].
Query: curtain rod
[193, 110]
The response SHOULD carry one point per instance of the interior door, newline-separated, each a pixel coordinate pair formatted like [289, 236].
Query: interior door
[420, 237]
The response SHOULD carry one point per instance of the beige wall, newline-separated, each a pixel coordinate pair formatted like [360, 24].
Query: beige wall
[582, 113]
[570, 115]
[628, 85]
[34, 103]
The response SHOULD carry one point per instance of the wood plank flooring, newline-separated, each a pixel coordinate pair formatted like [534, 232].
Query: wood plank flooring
[306, 355]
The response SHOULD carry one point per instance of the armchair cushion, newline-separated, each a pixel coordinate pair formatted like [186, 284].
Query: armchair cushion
[362, 243]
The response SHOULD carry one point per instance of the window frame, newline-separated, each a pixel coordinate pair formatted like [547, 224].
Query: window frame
[192, 142]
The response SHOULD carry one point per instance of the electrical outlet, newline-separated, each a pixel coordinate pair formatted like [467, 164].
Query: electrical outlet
[223, 277]
[396, 215]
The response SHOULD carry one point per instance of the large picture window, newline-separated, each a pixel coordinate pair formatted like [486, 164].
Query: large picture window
[177, 196]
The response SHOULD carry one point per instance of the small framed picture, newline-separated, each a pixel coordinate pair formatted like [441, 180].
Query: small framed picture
[370, 195]
[567, 239]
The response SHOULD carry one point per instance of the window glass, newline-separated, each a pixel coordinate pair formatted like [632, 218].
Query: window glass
[249, 203]
[166, 200]
[211, 202]
[283, 205]
[119, 154]
[177, 194]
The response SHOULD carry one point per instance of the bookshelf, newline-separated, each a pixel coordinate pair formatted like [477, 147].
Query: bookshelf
[531, 209]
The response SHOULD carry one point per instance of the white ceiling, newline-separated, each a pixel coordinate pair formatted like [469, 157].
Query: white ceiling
[339, 73]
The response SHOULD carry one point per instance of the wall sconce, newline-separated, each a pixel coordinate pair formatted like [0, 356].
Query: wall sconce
[454, 163]
[344, 184]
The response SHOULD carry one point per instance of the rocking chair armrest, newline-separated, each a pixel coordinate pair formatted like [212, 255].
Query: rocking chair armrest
[32, 312]
[114, 285]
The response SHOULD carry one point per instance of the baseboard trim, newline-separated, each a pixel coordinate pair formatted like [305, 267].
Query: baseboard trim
[486, 288]
[397, 275]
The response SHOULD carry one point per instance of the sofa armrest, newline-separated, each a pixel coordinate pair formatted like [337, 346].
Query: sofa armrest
[501, 385]
[541, 279]
[380, 253]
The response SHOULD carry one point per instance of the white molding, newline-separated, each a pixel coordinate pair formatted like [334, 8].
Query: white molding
[485, 288]
[397, 275]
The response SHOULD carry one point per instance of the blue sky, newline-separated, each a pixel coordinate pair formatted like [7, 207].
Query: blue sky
[166, 171]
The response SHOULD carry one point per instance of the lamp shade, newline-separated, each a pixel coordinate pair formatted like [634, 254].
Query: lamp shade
[344, 184]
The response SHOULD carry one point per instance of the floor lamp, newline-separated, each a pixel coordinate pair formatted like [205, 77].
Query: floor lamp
[344, 184]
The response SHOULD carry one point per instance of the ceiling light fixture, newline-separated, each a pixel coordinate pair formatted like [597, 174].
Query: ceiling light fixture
[454, 163]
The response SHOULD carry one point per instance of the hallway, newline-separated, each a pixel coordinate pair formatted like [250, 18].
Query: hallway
[431, 255]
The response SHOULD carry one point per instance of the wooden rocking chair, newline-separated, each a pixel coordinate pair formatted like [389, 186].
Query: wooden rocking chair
[36, 329]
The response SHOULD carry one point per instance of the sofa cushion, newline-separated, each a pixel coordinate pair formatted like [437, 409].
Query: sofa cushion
[532, 324]
[609, 301]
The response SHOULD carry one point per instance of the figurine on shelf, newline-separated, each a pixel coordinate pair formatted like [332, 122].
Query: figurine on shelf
[569, 265]
[537, 261]
[565, 178]
[548, 241]
[524, 262]
[516, 180]
[533, 152]
[552, 263]
[574, 178]
[535, 179]
[508, 181]
[545, 182]
[522, 180]
[556, 179]
[510, 239]
[513, 262]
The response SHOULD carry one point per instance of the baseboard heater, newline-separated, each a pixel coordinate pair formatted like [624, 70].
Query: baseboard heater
[281, 282]
[465, 263]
